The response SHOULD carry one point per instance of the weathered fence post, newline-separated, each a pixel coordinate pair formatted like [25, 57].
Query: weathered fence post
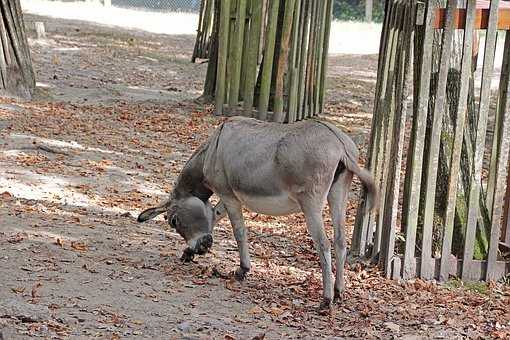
[445, 135]
[16, 73]
[369, 6]
[287, 83]
[39, 29]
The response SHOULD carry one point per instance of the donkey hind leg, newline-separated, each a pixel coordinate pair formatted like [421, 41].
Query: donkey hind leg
[337, 200]
[235, 214]
[315, 225]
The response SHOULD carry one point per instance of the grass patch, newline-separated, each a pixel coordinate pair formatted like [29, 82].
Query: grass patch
[474, 287]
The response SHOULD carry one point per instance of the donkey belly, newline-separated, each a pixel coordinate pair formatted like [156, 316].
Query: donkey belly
[277, 205]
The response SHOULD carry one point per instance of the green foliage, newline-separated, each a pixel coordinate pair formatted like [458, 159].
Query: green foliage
[355, 10]
[481, 288]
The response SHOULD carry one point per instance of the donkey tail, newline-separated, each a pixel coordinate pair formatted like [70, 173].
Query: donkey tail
[350, 161]
[368, 182]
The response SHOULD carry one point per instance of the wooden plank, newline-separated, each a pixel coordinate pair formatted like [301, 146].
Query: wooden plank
[320, 57]
[457, 142]
[363, 216]
[294, 63]
[369, 4]
[386, 141]
[485, 95]
[479, 268]
[198, 44]
[222, 56]
[496, 137]
[505, 231]
[413, 196]
[237, 53]
[396, 264]
[303, 58]
[267, 67]
[395, 160]
[327, 33]
[387, 117]
[502, 163]
[247, 43]
[481, 21]
[427, 269]
[4, 53]
[282, 65]
[309, 59]
[209, 20]
[253, 56]
[17, 44]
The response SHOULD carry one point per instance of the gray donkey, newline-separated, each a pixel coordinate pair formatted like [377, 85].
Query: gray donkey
[272, 169]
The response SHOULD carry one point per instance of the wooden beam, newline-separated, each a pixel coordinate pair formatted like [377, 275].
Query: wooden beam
[478, 268]
[505, 229]
[481, 21]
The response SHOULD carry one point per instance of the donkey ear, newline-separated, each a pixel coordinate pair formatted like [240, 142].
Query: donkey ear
[150, 213]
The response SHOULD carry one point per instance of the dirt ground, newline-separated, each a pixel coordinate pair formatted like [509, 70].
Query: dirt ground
[113, 124]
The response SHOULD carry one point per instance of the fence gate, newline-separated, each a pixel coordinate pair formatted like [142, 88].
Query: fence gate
[440, 142]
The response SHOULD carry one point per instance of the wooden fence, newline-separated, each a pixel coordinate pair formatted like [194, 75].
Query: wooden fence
[272, 58]
[204, 30]
[439, 146]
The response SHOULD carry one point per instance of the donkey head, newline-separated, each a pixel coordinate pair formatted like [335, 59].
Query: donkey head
[192, 219]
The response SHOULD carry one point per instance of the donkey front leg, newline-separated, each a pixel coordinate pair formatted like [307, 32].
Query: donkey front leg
[235, 214]
[315, 225]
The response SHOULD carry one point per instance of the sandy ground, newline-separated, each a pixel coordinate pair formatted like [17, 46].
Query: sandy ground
[113, 124]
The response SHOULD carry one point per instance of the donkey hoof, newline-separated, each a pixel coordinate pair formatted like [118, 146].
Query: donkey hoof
[339, 296]
[326, 307]
[187, 255]
[240, 274]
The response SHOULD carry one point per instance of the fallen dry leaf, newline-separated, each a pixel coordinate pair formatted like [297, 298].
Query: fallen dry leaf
[79, 246]
[35, 288]
[59, 242]
[6, 195]
[18, 290]
[255, 310]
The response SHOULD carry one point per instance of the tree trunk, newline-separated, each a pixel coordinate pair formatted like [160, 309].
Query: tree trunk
[16, 73]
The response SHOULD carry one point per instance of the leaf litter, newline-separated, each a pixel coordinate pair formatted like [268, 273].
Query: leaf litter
[71, 242]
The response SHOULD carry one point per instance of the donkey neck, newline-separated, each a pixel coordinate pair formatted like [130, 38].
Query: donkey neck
[191, 179]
